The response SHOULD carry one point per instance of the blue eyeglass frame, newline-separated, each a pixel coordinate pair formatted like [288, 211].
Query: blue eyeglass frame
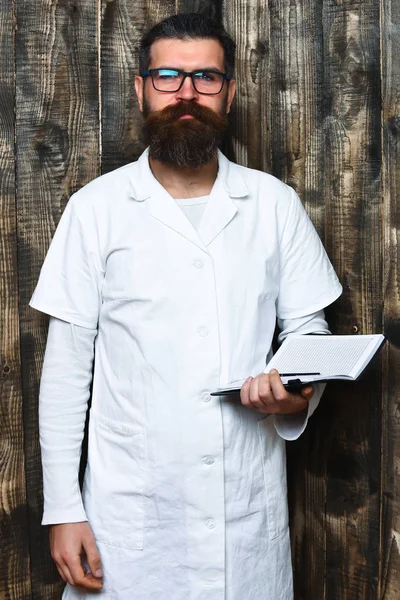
[185, 74]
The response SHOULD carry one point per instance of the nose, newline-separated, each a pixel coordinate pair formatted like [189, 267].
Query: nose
[187, 91]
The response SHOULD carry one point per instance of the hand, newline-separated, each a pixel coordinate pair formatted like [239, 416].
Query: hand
[68, 543]
[267, 394]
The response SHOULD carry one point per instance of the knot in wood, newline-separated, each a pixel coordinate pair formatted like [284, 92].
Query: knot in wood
[394, 125]
[4, 369]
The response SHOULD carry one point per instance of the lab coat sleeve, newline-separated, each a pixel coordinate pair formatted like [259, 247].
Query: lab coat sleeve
[63, 399]
[307, 280]
[290, 427]
[70, 281]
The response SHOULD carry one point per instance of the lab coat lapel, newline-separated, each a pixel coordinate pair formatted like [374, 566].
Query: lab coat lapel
[162, 206]
[221, 207]
[219, 211]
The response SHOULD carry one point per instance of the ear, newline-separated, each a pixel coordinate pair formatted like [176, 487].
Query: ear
[231, 94]
[139, 83]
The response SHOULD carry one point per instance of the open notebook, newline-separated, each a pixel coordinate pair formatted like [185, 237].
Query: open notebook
[303, 359]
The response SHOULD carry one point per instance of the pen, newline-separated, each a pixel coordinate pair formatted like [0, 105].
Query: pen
[297, 374]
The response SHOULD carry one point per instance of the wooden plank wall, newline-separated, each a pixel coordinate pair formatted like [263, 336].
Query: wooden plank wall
[390, 487]
[318, 105]
[57, 141]
[14, 545]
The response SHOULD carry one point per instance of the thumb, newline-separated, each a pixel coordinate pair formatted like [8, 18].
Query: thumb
[307, 392]
[92, 556]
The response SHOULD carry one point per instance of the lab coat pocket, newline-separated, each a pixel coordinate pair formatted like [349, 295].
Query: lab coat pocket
[114, 482]
[274, 464]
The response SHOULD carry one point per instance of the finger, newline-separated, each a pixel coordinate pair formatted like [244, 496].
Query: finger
[297, 404]
[307, 392]
[253, 393]
[245, 392]
[278, 390]
[263, 392]
[91, 582]
[61, 574]
[286, 402]
[62, 568]
[74, 564]
[80, 577]
[261, 397]
[93, 557]
[64, 571]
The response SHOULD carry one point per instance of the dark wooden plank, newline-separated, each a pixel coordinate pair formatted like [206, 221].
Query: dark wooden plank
[307, 497]
[123, 24]
[248, 24]
[295, 141]
[390, 498]
[352, 193]
[208, 8]
[279, 129]
[58, 151]
[15, 581]
[297, 98]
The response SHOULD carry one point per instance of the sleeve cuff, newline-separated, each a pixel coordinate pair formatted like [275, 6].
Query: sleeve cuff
[62, 315]
[58, 517]
[290, 427]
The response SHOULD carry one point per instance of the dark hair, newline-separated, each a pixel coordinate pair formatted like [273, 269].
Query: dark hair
[187, 26]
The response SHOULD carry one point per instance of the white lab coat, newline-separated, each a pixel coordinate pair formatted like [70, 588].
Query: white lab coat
[185, 493]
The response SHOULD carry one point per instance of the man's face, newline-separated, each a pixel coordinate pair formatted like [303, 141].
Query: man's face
[188, 55]
[184, 127]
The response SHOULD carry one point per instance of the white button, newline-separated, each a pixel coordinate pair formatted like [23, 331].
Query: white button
[202, 331]
[206, 397]
[208, 460]
[210, 523]
[198, 264]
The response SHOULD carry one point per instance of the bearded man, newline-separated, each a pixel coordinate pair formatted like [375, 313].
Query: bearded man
[169, 275]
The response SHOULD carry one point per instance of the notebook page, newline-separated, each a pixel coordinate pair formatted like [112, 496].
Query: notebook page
[328, 355]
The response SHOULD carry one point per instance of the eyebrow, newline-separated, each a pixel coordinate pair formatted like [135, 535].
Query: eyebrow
[193, 71]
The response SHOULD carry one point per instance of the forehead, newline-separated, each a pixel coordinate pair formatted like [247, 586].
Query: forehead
[187, 54]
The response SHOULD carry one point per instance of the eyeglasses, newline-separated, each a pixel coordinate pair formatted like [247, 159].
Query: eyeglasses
[171, 80]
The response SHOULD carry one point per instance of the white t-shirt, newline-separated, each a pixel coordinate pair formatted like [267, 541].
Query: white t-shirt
[193, 208]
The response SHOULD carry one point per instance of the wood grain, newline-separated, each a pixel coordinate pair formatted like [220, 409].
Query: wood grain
[123, 24]
[58, 151]
[352, 194]
[297, 100]
[15, 581]
[390, 496]
[247, 22]
[295, 140]
[209, 8]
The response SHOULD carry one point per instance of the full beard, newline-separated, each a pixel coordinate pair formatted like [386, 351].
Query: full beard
[187, 144]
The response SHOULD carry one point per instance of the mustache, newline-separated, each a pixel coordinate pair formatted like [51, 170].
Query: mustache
[172, 113]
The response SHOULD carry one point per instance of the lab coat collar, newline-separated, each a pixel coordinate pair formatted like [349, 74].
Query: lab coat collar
[219, 211]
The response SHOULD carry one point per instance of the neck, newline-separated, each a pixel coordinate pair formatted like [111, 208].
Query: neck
[182, 183]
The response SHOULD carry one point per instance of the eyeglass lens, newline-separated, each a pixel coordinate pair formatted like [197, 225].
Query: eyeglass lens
[205, 82]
